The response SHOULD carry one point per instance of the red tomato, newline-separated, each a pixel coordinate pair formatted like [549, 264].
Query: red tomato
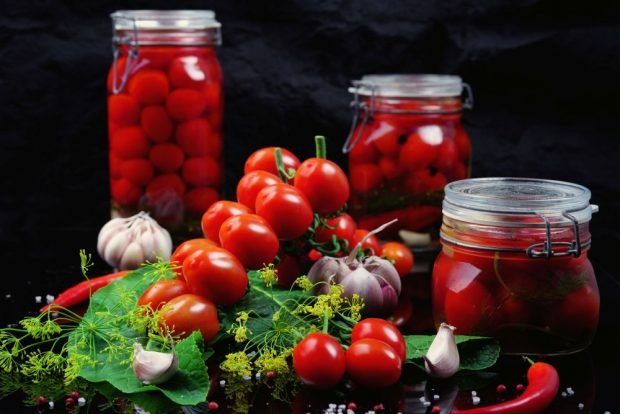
[286, 209]
[251, 183]
[123, 109]
[196, 138]
[319, 361]
[371, 243]
[186, 249]
[463, 143]
[149, 86]
[417, 153]
[212, 93]
[129, 142]
[219, 211]
[165, 185]
[166, 157]
[373, 363]
[577, 314]
[138, 170]
[191, 72]
[324, 183]
[363, 153]
[124, 192]
[447, 157]
[469, 307]
[264, 160]
[343, 227]
[400, 255]
[162, 292]
[188, 313]
[156, 123]
[390, 168]
[202, 171]
[365, 177]
[185, 104]
[116, 164]
[198, 200]
[387, 138]
[251, 239]
[288, 270]
[217, 275]
[381, 330]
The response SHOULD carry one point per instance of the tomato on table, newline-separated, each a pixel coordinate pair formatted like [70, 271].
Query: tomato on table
[219, 211]
[319, 361]
[251, 239]
[382, 330]
[286, 209]
[264, 159]
[188, 313]
[186, 249]
[252, 183]
[400, 255]
[373, 363]
[343, 227]
[217, 275]
[156, 123]
[162, 292]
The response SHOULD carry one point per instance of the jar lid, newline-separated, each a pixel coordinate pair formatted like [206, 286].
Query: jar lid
[515, 201]
[165, 19]
[408, 86]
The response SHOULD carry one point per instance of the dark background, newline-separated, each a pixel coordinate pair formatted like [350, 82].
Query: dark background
[545, 76]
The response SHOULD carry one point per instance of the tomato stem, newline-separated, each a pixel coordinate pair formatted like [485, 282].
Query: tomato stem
[321, 147]
[280, 165]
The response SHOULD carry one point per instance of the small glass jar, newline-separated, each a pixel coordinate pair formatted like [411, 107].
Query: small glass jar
[514, 264]
[165, 111]
[406, 143]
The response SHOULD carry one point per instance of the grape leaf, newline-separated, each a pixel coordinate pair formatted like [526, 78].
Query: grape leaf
[475, 352]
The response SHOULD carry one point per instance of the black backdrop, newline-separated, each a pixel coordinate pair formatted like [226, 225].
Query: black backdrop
[545, 77]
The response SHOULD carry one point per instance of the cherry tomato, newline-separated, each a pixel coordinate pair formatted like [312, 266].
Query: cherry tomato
[363, 153]
[196, 138]
[124, 192]
[251, 239]
[264, 159]
[219, 211]
[577, 314]
[288, 270]
[319, 361]
[202, 171]
[251, 183]
[387, 138]
[365, 177]
[400, 255]
[166, 157]
[371, 243]
[163, 291]
[417, 153]
[324, 183]
[373, 363]
[198, 200]
[165, 185]
[381, 330]
[187, 248]
[390, 168]
[149, 86]
[191, 72]
[138, 170]
[217, 275]
[123, 109]
[156, 123]
[129, 142]
[116, 164]
[447, 156]
[185, 104]
[463, 143]
[286, 209]
[469, 307]
[188, 313]
[343, 227]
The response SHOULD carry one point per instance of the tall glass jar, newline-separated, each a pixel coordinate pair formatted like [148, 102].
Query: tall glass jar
[514, 264]
[406, 143]
[165, 116]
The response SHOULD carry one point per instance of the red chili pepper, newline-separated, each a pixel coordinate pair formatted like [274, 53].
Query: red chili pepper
[82, 291]
[543, 385]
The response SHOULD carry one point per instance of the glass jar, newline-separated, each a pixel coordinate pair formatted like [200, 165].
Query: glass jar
[165, 116]
[514, 264]
[406, 143]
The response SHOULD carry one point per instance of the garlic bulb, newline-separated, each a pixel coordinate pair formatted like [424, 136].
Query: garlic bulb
[153, 367]
[442, 358]
[374, 279]
[126, 243]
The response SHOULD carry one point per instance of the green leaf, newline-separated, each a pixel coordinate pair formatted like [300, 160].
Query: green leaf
[104, 343]
[475, 352]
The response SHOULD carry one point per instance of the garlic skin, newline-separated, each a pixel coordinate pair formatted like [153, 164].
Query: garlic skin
[126, 243]
[442, 358]
[152, 367]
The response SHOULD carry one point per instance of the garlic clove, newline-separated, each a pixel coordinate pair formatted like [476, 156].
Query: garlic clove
[111, 228]
[385, 270]
[366, 285]
[133, 257]
[152, 367]
[115, 248]
[442, 358]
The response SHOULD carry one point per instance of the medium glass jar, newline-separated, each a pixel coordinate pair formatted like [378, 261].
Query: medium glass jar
[165, 116]
[514, 264]
[406, 143]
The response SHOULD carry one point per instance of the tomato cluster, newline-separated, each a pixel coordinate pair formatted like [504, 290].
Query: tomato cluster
[165, 132]
[530, 305]
[373, 360]
[402, 158]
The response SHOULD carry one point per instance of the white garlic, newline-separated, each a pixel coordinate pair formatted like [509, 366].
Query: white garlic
[442, 358]
[152, 367]
[126, 243]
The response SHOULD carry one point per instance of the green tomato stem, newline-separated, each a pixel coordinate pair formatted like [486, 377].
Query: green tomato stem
[321, 147]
